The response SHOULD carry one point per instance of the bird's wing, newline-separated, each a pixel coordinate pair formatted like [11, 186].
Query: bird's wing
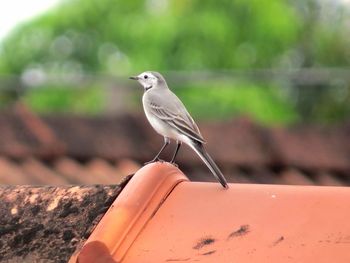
[178, 118]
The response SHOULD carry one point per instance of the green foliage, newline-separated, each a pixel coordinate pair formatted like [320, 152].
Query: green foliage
[66, 99]
[117, 37]
[224, 101]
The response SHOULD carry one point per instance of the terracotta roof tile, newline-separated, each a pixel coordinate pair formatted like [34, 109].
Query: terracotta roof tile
[41, 173]
[74, 171]
[162, 222]
[15, 140]
[263, 175]
[104, 149]
[235, 142]
[42, 132]
[127, 166]
[24, 133]
[11, 173]
[105, 137]
[311, 148]
[106, 173]
[328, 179]
[294, 177]
[241, 178]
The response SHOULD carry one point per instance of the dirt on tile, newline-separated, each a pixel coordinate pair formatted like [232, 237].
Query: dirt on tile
[208, 253]
[205, 241]
[47, 224]
[279, 240]
[243, 230]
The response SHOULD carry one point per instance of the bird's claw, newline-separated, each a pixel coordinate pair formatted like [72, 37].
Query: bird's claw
[154, 160]
[175, 164]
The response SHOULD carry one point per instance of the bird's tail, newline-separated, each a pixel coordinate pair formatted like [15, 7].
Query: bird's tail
[199, 149]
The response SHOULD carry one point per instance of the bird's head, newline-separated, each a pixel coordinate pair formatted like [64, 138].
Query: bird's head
[150, 79]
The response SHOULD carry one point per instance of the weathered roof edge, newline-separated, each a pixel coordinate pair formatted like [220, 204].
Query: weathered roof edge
[50, 222]
[128, 219]
[129, 213]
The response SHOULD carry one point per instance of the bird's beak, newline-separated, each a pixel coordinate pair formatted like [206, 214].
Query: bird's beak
[134, 77]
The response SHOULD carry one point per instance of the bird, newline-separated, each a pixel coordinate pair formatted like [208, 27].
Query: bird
[169, 117]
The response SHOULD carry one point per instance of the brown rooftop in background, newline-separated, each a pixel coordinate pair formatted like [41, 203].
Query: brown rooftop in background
[73, 149]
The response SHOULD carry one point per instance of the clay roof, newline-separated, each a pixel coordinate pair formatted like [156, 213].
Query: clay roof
[171, 219]
[248, 222]
[66, 149]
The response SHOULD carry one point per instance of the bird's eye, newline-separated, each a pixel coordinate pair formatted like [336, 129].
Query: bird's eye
[145, 77]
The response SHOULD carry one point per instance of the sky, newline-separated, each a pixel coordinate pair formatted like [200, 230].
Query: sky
[14, 12]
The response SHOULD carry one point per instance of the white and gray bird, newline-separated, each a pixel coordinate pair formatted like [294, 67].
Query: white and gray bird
[169, 117]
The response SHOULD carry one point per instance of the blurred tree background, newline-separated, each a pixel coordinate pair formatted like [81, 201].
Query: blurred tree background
[277, 61]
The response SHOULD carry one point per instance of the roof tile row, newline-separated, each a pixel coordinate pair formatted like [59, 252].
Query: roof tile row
[64, 171]
[75, 149]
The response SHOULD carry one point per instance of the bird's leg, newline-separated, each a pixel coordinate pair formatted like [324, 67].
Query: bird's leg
[178, 144]
[156, 158]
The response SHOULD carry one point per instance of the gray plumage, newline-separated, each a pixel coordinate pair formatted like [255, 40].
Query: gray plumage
[171, 111]
[169, 117]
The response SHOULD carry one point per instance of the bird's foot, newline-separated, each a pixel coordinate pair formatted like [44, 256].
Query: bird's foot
[155, 160]
[175, 164]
